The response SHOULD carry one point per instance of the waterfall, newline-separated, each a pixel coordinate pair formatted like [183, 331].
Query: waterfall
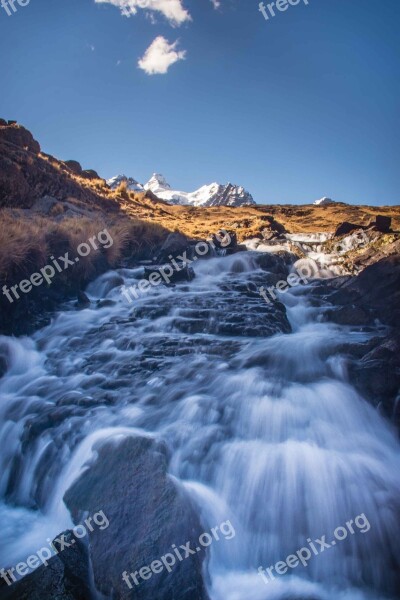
[265, 431]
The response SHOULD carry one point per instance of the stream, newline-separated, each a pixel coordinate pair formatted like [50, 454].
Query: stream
[263, 426]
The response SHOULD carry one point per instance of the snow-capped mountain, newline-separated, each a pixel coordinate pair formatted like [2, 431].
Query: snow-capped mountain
[208, 195]
[132, 184]
[323, 201]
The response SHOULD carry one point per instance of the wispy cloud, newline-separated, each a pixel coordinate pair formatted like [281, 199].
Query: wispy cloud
[216, 4]
[173, 10]
[159, 56]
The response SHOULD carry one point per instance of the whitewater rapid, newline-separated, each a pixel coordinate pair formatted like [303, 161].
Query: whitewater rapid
[265, 431]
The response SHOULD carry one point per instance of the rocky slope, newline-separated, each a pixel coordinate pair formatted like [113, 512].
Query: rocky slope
[44, 201]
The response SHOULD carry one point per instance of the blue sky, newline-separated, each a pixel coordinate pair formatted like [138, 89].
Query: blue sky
[300, 106]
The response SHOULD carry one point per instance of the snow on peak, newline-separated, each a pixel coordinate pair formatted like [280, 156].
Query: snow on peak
[324, 200]
[157, 183]
[213, 194]
[131, 183]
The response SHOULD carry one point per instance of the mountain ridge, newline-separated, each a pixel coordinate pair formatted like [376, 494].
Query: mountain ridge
[214, 194]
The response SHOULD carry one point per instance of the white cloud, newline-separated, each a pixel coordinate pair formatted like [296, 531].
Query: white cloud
[159, 56]
[216, 4]
[173, 10]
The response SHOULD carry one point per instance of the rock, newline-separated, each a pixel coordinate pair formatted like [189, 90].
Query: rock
[185, 273]
[374, 294]
[381, 224]
[275, 263]
[267, 235]
[19, 136]
[345, 228]
[82, 299]
[351, 314]
[90, 174]
[66, 577]
[74, 166]
[376, 288]
[175, 244]
[224, 240]
[45, 204]
[377, 376]
[147, 513]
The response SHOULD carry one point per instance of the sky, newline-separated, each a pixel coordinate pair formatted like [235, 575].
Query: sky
[296, 107]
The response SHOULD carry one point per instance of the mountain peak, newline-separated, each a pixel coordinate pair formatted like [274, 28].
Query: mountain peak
[131, 183]
[157, 183]
[213, 194]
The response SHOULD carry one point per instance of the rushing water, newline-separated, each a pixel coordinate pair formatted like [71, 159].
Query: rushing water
[264, 430]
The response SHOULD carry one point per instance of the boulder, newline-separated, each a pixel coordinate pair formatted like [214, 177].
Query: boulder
[90, 174]
[351, 314]
[82, 300]
[74, 166]
[374, 294]
[19, 136]
[376, 288]
[381, 224]
[345, 228]
[147, 513]
[175, 244]
[66, 577]
[377, 376]
[224, 240]
[45, 204]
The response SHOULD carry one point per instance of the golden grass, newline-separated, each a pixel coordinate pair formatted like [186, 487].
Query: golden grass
[27, 244]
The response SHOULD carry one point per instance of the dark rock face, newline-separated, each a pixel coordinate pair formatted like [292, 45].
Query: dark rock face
[224, 240]
[277, 263]
[345, 228]
[373, 294]
[376, 289]
[27, 174]
[382, 224]
[19, 136]
[66, 577]
[175, 243]
[147, 513]
[377, 375]
[90, 174]
[74, 166]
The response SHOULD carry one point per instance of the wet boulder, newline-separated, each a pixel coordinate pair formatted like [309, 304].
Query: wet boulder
[175, 244]
[147, 513]
[377, 376]
[66, 576]
[224, 240]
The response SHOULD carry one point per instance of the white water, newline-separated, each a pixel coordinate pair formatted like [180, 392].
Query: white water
[266, 432]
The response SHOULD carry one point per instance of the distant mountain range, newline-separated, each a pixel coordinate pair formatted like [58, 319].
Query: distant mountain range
[214, 194]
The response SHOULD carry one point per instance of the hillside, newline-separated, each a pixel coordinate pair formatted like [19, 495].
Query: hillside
[48, 206]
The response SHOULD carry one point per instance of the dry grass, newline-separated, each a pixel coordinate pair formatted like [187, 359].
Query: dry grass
[26, 244]
[248, 221]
